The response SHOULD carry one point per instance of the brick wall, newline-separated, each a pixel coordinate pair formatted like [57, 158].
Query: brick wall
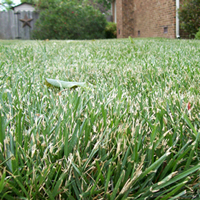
[119, 7]
[128, 17]
[146, 18]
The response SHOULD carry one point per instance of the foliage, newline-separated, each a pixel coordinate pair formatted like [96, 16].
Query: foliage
[189, 15]
[70, 21]
[46, 4]
[102, 5]
[29, 1]
[43, 4]
[197, 36]
[111, 30]
[106, 3]
[133, 135]
[7, 4]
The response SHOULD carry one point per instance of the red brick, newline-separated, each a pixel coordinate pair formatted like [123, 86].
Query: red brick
[147, 16]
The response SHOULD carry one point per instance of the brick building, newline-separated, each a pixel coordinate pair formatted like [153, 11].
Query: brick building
[146, 18]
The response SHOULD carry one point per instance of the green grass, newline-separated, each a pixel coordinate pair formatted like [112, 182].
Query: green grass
[127, 135]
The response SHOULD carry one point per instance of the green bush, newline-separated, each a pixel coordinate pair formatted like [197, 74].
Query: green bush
[189, 16]
[111, 30]
[197, 36]
[70, 20]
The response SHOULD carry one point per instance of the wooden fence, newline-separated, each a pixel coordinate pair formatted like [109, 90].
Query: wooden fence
[17, 25]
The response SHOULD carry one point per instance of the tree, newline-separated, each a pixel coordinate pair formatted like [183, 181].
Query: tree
[7, 4]
[28, 1]
[42, 4]
[189, 15]
[106, 3]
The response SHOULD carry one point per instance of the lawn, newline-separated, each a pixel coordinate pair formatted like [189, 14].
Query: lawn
[131, 132]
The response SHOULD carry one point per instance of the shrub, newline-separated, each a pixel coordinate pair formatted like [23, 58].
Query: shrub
[70, 20]
[111, 30]
[197, 36]
[189, 16]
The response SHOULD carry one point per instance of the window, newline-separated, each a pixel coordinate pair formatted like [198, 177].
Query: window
[165, 29]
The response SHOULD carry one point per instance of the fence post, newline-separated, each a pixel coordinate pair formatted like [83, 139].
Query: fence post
[18, 37]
